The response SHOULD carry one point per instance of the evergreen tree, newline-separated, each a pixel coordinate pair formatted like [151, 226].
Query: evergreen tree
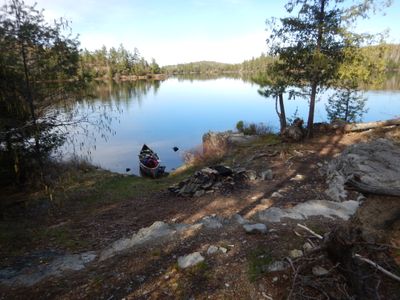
[37, 63]
[311, 43]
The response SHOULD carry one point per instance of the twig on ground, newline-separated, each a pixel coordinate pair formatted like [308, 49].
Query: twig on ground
[374, 264]
[296, 233]
[267, 296]
[311, 243]
[291, 263]
[310, 231]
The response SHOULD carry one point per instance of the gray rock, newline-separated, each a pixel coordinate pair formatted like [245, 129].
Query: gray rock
[255, 228]
[154, 233]
[223, 249]
[327, 209]
[199, 193]
[31, 275]
[293, 134]
[298, 177]
[319, 271]
[295, 253]
[375, 163]
[251, 175]
[307, 247]
[212, 249]
[276, 266]
[236, 218]
[211, 222]
[267, 175]
[190, 260]
[276, 195]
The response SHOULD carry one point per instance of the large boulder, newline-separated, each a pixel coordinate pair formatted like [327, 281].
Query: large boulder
[375, 165]
[294, 132]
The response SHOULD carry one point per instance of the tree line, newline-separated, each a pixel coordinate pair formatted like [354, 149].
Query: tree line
[43, 73]
[115, 64]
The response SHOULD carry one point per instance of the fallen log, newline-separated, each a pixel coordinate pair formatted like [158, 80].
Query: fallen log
[370, 125]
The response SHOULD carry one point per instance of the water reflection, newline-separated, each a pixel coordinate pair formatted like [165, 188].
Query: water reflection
[179, 110]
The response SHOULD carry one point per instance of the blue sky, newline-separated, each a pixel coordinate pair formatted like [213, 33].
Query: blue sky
[179, 31]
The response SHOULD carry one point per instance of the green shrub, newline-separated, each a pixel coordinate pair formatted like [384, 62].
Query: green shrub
[253, 128]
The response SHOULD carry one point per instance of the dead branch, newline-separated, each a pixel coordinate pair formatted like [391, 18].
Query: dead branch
[374, 264]
[310, 231]
[370, 125]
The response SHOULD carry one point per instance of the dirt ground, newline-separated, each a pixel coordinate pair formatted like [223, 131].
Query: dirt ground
[151, 272]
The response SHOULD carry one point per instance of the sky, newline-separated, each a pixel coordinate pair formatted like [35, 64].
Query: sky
[181, 31]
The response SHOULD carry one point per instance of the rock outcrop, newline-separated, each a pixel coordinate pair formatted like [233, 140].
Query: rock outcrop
[374, 165]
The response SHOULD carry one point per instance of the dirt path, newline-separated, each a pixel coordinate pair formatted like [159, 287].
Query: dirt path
[151, 272]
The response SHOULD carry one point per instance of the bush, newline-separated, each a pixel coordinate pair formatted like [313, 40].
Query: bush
[253, 128]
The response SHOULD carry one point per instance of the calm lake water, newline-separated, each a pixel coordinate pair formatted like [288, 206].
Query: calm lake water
[177, 112]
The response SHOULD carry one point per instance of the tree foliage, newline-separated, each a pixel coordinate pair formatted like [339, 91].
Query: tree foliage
[312, 41]
[115, 63]
[38, 70]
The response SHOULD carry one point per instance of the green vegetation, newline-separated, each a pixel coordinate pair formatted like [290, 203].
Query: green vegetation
[253, 128]
[258, 259]
[314, 44]
[39, 72]
[115, 64]
[253, 65]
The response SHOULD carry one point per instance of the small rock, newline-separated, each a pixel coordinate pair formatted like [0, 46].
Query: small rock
[212, 249]
[319, 271]
[199, 193]
[266, 201]
[190, 260]
[251, 174]
[255, 228]
[275, 279]
[276, 266]
[223, 250]
[276, 195]
[236, 218]
[267, 175]
[227, 284]
[298, 177]
[223, 170]
[307, 247]
[295, 253]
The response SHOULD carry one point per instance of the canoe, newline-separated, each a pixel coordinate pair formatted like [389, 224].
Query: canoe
[150, 163]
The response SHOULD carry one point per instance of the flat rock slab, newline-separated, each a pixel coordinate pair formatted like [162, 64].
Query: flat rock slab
[154, 233]
[255, 228]
[276, 266]
[190, 260]
[29, 276]
[212, 222]
[324, 208]
[375, 164]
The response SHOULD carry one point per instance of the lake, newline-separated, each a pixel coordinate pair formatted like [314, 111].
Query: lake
[177, 112]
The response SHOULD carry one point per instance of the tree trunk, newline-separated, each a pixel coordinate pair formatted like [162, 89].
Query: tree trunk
[310, 122]
[314, 82]
[282, 116]
[371, 125]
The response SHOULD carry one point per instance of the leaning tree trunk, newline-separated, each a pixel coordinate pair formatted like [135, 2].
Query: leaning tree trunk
[371, 125]
[310, 122]
[282, 116]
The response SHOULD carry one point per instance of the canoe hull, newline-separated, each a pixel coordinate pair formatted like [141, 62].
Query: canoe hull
[150, 163]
